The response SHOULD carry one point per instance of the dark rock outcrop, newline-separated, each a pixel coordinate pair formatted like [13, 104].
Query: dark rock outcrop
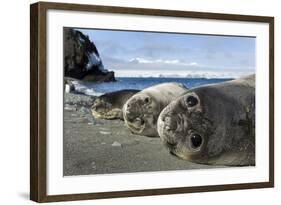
[82, 60]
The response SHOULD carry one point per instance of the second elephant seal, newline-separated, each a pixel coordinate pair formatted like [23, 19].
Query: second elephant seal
[141, 111]
[109, 106]
[212, 124]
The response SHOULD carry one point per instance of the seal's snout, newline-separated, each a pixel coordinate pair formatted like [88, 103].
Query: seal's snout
[169, 118]
[133, 112]
[169, 123]
[167, 126]
[131, 108]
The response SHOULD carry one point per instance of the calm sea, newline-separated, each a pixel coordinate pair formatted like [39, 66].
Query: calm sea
[140, 83]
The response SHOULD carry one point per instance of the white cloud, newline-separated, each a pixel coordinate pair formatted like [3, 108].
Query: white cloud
[193, 64]
[161, 61]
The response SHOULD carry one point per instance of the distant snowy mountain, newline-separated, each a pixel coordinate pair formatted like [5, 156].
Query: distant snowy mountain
[180, 74]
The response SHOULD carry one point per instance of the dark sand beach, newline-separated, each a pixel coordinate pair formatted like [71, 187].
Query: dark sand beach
[95, 146]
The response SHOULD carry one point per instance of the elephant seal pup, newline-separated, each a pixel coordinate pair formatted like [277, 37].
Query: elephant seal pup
[212, 124]
[109, 106]
[141, 111]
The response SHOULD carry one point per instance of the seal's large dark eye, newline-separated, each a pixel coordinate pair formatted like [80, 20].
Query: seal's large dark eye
[191, 101]
[146, 100]
[196, 140]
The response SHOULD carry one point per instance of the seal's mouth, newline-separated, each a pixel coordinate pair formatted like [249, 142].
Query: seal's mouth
[169, 124]
[135, 121]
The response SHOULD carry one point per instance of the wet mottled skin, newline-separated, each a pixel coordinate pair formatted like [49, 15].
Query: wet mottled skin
[213, 124]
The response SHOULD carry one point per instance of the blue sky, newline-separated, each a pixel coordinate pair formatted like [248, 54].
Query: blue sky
[136, 53]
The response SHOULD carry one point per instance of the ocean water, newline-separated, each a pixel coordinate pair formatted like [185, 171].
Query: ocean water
[97, 89]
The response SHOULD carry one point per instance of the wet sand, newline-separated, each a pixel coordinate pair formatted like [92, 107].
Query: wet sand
[94, 146]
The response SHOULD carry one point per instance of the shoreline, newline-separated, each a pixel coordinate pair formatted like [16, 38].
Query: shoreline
[96, 89]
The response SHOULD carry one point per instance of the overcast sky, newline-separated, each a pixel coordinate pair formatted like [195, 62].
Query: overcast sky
[133, 53]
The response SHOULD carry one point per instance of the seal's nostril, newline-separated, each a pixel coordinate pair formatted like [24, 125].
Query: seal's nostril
[162, 117]
[167, 127]
[167, 120]
[170, 124]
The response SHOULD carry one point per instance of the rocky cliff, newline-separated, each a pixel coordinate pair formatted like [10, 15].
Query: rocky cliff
[82, 60]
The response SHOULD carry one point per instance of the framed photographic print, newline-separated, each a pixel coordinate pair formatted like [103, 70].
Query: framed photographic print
[134, 102]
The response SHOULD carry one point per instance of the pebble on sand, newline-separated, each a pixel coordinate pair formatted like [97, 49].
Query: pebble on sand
[116, 144]
[105, 133]
[69, 108]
